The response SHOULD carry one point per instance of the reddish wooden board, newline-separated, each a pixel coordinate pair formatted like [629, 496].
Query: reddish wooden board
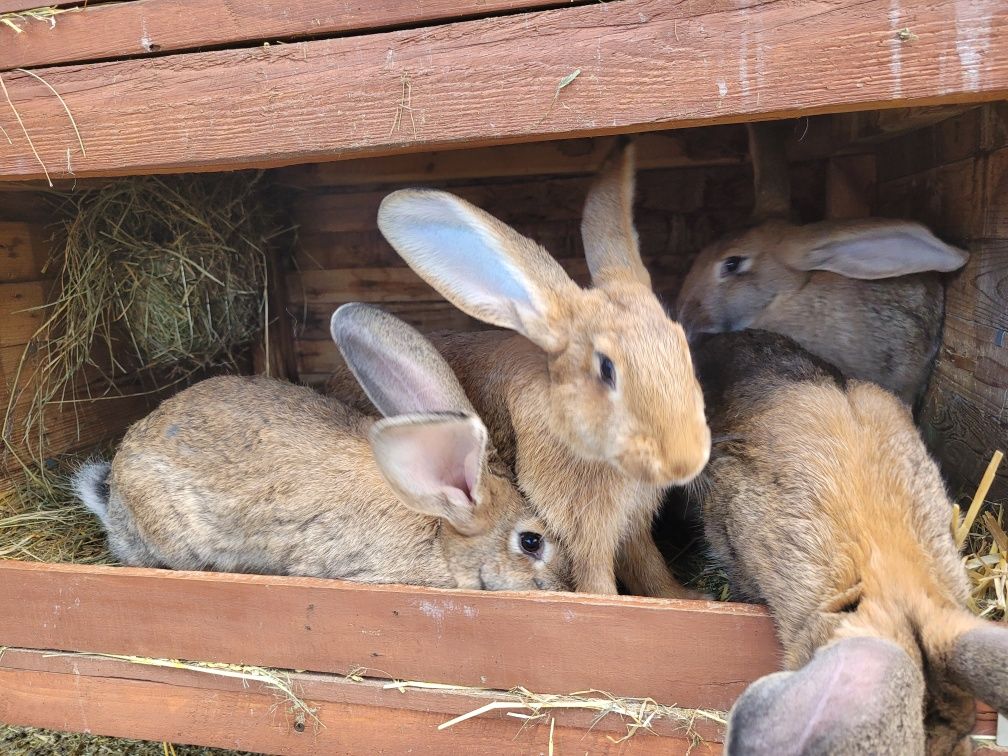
[546, 642]
[644, 64]
[141, 27]
[113, 697]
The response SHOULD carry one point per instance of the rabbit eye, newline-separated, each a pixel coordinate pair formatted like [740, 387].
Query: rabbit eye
[607, 371]
[733, 265]
[531, 543]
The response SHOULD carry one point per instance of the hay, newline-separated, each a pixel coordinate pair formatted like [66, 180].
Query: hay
[47, 14]
[160, 281]
[639, 714]
[29, 741]
[981, 535]
[41, 520]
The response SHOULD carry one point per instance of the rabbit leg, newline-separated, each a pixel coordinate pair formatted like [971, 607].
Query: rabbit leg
[642, 569]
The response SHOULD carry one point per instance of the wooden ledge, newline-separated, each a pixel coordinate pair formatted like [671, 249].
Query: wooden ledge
[644, 64]
[690, 654]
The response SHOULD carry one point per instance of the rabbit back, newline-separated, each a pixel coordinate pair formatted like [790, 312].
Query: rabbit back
[254, 475]
[887, 330]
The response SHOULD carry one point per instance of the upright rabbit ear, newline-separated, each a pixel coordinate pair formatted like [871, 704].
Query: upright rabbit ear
[607, 228]
[399, 370]
[978, 663]
[856, 696]
[479, 264]
[770, 170]
[433, 463]
[872, 248]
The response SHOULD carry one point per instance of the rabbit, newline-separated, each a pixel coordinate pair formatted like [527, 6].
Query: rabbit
[864, 294]
[251, 474]
[821, 500]
[593, 399]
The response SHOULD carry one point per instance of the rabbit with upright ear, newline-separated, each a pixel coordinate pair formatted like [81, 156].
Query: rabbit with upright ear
[864, 294]
[251, 474]
[593, 400]
[823, 502]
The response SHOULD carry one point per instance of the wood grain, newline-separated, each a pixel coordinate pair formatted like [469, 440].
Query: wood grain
[24, 249]
[645, 64]
[964, 417]
[547, 642]
[113, 697]
[144, 27]
[715, 145]
[20, 311]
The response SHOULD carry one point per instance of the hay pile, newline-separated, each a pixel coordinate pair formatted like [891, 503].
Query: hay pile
[161, 281]
[980, 533]
[28, 741]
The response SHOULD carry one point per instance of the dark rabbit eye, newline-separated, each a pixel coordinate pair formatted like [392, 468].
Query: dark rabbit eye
[732, 265]
[607, 371]
[531, 543]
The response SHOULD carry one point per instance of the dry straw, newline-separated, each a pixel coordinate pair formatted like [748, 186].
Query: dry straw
[160, 280]
[981, 535]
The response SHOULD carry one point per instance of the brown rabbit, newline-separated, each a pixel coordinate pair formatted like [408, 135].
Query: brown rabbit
[823, 502]
[256, 475]
[594, 402]
[855, 292]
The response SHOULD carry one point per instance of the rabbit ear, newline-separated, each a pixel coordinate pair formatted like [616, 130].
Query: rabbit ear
[399, 370]
[874, 248]
[607, 228]
[433, 463]
[856, 696]
[978, 663]
[482, 266]
[770, 170]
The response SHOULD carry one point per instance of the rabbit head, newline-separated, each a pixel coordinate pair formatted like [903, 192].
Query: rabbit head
[736, 281]
[435, 454]
[622, 388]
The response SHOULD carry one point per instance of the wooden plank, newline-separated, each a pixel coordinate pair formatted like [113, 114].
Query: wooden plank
[24, 249]
[20, 313]
[72, 427]
[116, 698]
[142, 27]
[527, 204]
[715, 145]
[850, 187]
[965, 417]
[547, 642]
[645, 64]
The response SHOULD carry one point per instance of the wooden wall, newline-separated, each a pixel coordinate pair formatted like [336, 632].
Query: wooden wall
[954, 176]
[692, 186]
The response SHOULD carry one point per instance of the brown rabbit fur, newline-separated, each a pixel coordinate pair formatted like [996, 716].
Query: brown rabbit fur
[595, 402]
[251, 474]
[858, 293]
[823, 502]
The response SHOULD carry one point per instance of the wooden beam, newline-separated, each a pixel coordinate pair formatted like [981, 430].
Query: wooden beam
[142, 27]
[644, 65]
[546, 642]
[118, 698]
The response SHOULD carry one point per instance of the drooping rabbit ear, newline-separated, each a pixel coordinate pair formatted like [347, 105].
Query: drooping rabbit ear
[479, 264]
[856, 696]
[978, 663]
[770, 170]
[434, 463]
[607, 228]
[399, 370]
[872, 248]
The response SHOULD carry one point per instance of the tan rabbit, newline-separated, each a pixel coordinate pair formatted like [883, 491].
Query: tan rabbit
[594, 402]
[855, 292]
[823, 502]
[256, 475]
